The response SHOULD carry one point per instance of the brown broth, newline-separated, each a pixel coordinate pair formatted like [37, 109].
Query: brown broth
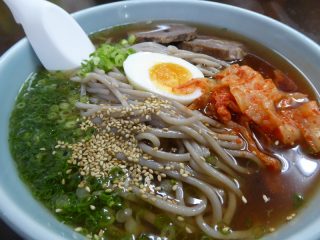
[300, 174]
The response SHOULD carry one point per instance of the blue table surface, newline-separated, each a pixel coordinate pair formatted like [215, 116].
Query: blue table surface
[299, 14]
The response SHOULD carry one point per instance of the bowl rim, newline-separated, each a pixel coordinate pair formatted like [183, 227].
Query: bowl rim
[8, 210]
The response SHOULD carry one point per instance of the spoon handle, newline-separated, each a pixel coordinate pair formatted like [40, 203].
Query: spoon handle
[58, 40]
[21, 8]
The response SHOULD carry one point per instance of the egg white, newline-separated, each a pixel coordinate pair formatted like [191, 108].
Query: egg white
[137, 67]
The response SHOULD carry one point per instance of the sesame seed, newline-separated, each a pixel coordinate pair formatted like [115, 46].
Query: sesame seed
[244, 200]
[265, 198]
[180, 218]
[290, 217]
[58, 210]
[101, 232]
[78, 229]
[188, 230]
[225, 229]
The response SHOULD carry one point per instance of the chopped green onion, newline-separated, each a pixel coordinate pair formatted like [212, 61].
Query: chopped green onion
[52, 115]
[84, 99]
[212, 159]
[173, 181]
[131, 39]
[115, 171]
[70, 124]
[224, 229]
[21, 105]
[162, 221]
[73, 99]
[64, 106]
[106, 217]
[297, 200]
[204, 237]
[124, 42]
[54, 108]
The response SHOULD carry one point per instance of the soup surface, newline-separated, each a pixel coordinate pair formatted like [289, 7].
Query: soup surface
[49, 138]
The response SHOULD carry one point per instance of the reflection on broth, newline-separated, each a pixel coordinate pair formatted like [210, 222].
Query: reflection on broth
[118, 157]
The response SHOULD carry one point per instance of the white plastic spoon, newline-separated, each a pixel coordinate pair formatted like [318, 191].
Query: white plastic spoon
[58, 40]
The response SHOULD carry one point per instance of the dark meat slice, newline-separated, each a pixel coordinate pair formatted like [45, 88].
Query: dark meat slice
[216, 47]
[168, 33]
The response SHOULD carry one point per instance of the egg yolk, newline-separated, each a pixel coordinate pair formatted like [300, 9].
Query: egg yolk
[169, 75]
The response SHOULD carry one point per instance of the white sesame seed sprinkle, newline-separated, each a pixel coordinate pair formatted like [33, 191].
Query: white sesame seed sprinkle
[188, 230]
[78, 229]
[265, 198]
[58, 210]
[244, 200]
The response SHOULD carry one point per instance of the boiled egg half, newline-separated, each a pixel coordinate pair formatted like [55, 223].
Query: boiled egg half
[161, 74]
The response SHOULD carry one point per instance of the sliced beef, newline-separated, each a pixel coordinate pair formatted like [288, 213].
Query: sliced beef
[167, 33]
[216, 47]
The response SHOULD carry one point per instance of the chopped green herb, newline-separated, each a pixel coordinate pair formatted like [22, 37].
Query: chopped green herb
[298, 200]
[173, 181]
[205, 237]
[131, 39]
[162, 221]
[116, 172]
[124, 42]
[143, 237]
[212, 159]
[224, 229]
[105, 217]
[112, 200]
[168, 231]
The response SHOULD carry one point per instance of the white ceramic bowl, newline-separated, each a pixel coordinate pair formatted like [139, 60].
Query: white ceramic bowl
[27, 216]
